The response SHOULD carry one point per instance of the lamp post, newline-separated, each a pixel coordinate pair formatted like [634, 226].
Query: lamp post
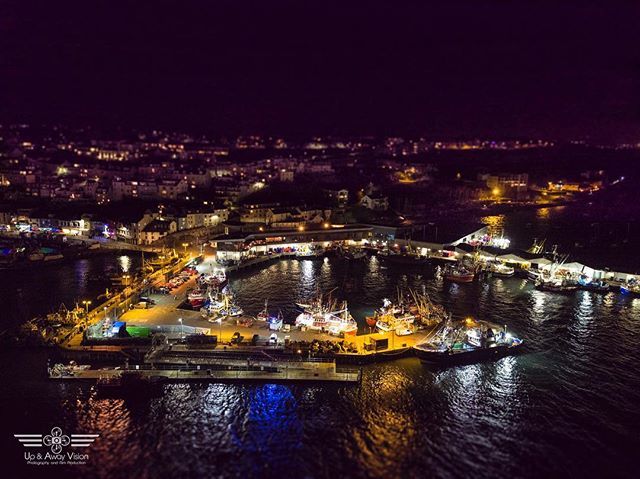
[184, 245]
[220, 329]
[181, 328]
[86, 306]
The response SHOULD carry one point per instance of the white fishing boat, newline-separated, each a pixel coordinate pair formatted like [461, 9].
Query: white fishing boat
[323, 318]
[501, 270]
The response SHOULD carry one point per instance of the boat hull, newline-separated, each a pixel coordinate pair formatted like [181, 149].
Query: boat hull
[556, 289]
[629, 291]
[466, 356]
[502, 275]
[455, 278]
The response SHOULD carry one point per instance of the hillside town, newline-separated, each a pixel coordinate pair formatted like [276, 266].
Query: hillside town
[145, 188]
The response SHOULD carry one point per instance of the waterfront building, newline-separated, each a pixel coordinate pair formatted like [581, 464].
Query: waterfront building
[240, 245]
[156, 230]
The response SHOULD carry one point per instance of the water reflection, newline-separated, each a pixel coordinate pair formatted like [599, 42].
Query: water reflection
[125, 263]
[583, 313]
[538, 313]
[271, 421]
[495, 224]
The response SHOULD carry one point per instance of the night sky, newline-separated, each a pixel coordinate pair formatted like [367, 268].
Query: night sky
[455, 69]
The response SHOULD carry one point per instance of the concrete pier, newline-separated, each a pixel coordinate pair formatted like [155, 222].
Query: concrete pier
[285, 372]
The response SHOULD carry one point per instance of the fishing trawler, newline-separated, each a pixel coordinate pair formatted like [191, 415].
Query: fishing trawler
[467, 341]
[426, 312]
[324, 317]
[555, 285]
[392, 317]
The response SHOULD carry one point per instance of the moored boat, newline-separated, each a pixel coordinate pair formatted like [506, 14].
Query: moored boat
[501, 270]
[264, 314]
[589, 284]
[631, 288]
[458, 274]
[467, 341]
[555, 285]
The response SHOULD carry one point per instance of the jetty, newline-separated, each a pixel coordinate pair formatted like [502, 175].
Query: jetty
[214, 371]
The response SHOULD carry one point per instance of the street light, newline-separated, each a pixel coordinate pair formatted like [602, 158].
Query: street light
[86, 305]
[220, 331]
[181, 328]
[184, 245]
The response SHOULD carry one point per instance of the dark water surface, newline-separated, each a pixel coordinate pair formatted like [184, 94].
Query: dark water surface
[567, 407]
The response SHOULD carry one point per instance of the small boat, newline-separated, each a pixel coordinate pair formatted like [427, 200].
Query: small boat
[458, 274]
[500, 270]
[235, 311]
[597, 286]
[36, 257]
[631, 287]
[264, 314]
[467, 341]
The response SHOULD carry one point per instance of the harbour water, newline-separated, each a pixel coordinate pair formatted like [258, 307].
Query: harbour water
[567, 406]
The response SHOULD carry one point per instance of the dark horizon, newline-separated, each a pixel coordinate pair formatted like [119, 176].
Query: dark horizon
[461, 70]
